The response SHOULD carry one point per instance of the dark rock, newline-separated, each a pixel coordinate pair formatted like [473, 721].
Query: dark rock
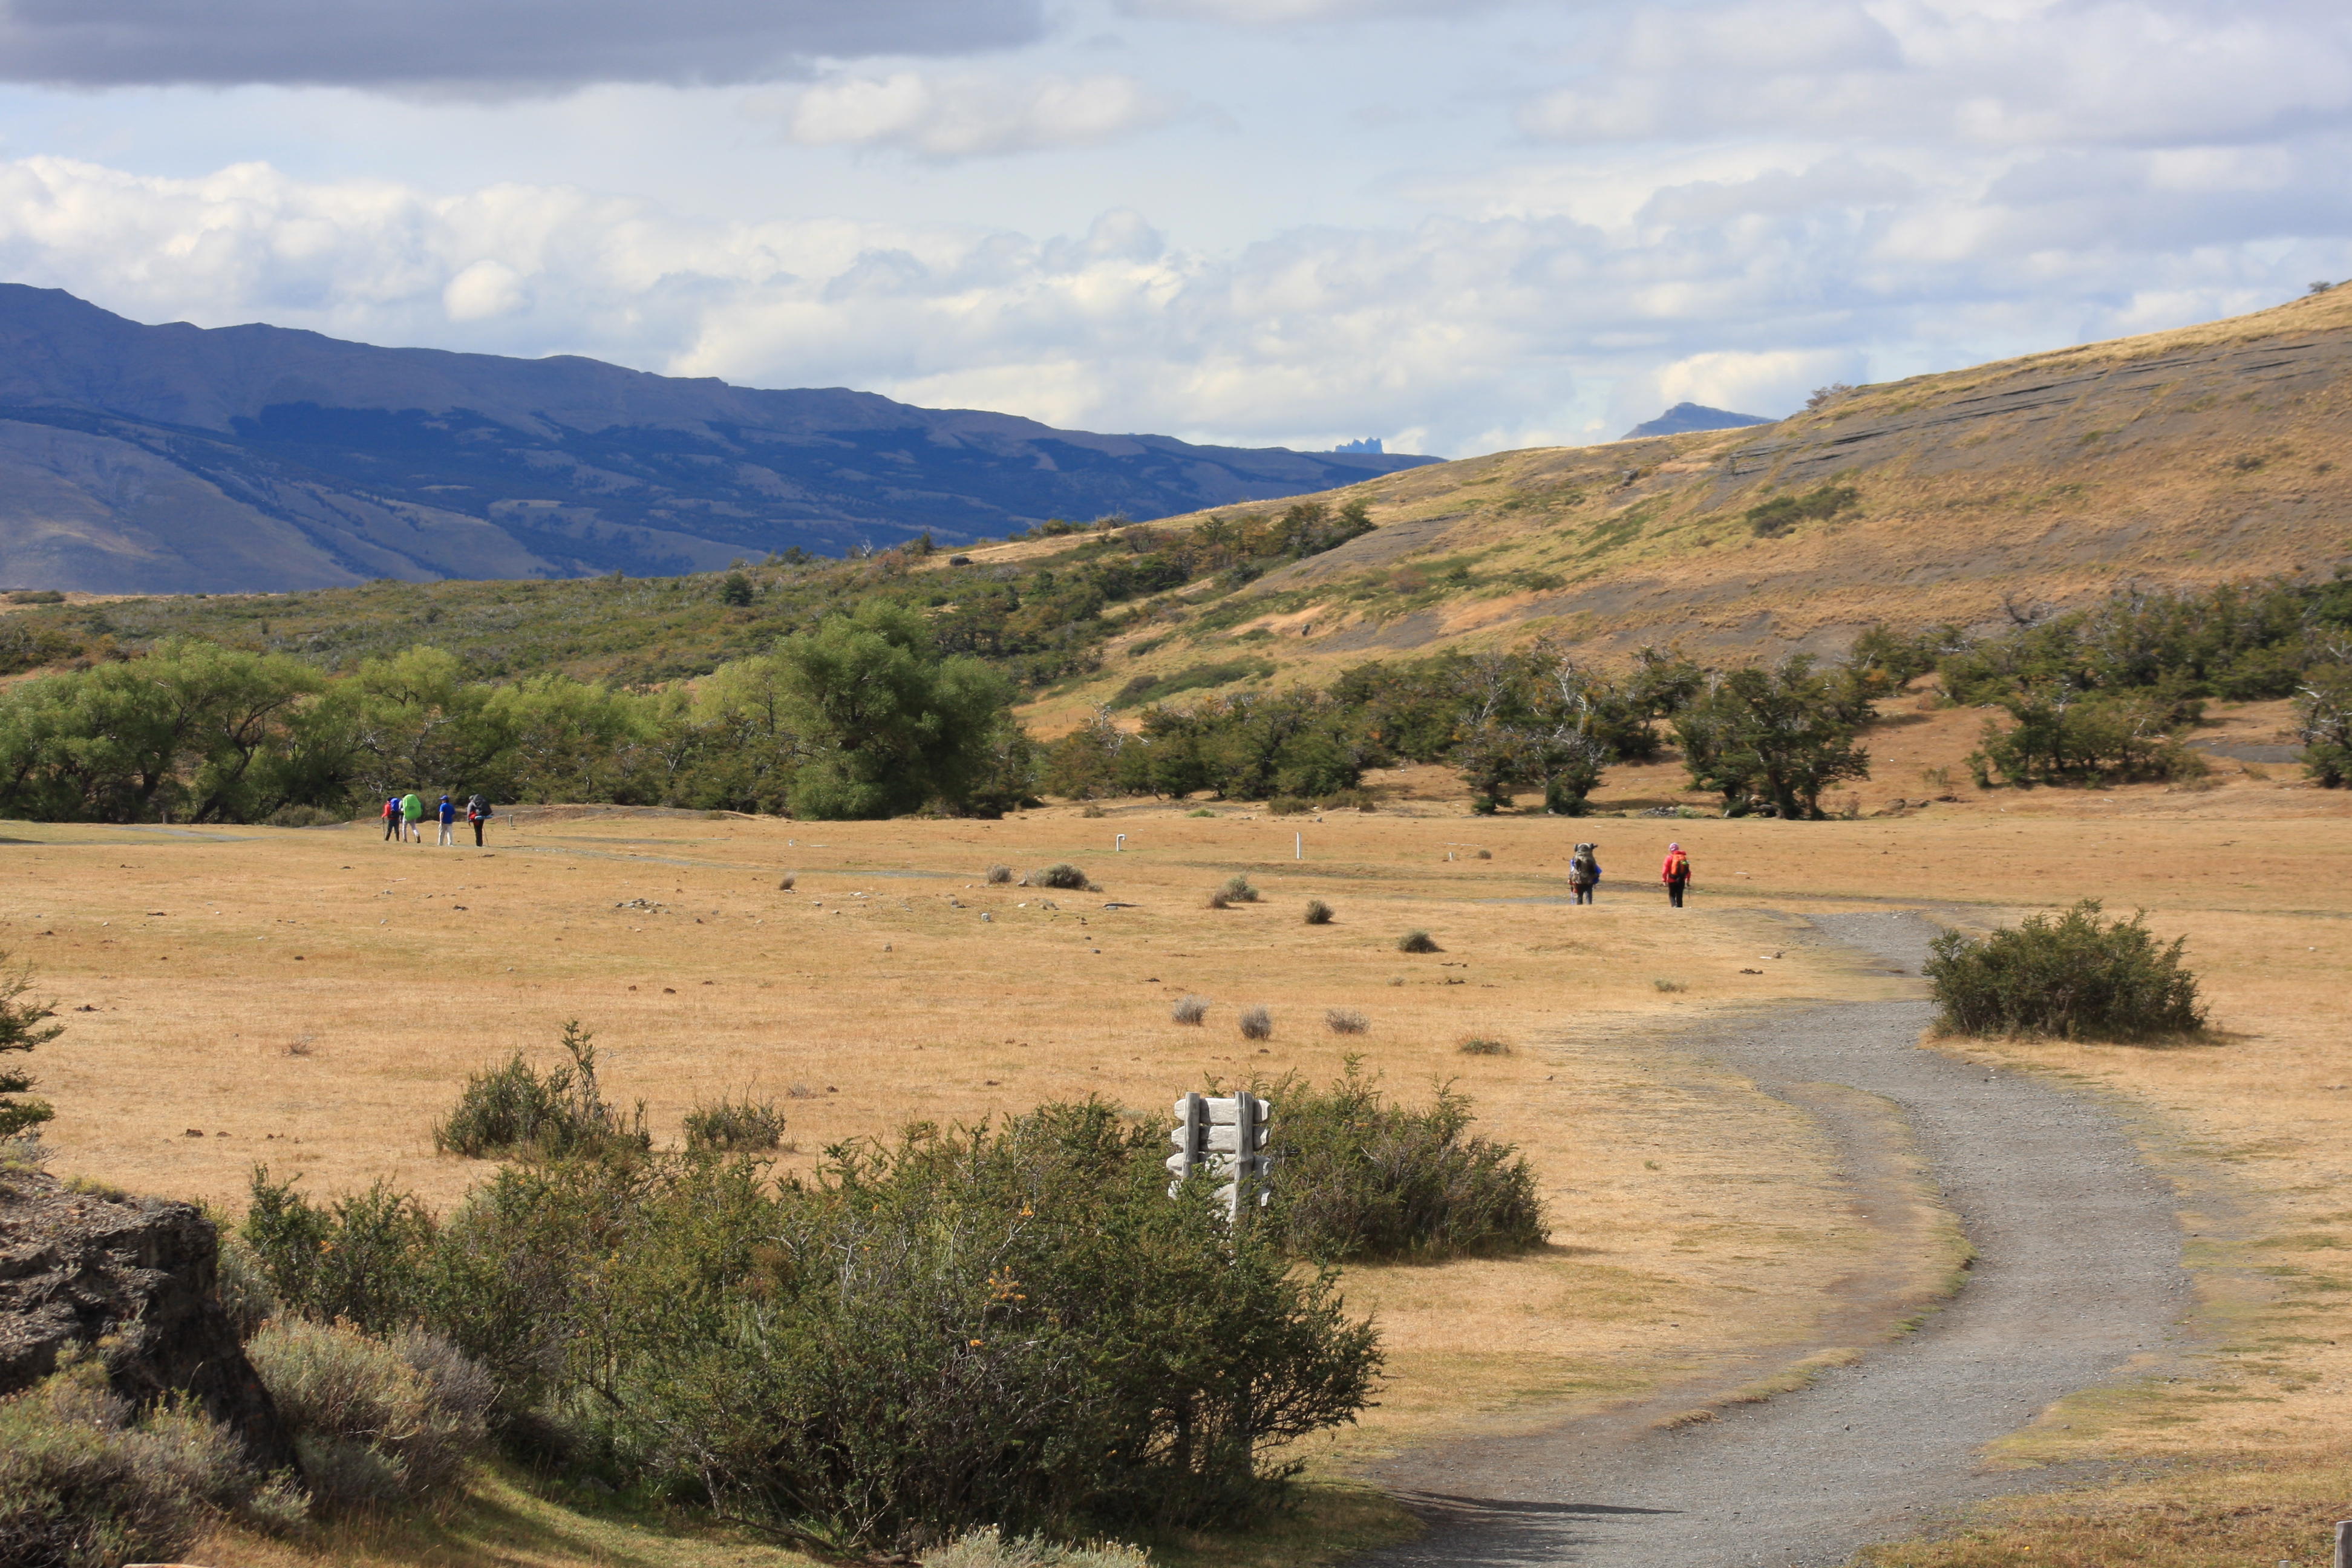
[79, 1268]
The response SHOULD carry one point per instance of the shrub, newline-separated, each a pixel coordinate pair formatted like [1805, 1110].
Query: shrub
[21, 1030]
[1318, 914]
[784, 883]
[376, 1424]
[360, 1258]
[1237, 888]
[1062, 874]
[513, 1111]
[1363, 1177]
[1257, 1024]
[1418, 941]
[1346, 799]
[1477, 1046]
[1669, 986]
[998, 1325]
[1201, 811]
[1218, 898]
[86, 1483]
[998, 875]
[987, 1548]
[1776, 516]
[1345, 1021]
[1189, 1009]
[244, 1284]
[1288, 805]
[2073, 976]
[733, 1126]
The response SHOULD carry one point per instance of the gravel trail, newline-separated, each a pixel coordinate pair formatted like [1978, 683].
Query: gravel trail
[2078, 1270]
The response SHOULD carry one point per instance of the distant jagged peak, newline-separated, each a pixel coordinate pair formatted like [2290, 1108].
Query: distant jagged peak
[1684, 417]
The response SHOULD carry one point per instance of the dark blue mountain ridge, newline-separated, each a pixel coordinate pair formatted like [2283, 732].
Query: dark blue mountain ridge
[139, 459]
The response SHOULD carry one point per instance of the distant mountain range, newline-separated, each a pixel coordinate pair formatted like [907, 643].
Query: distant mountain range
[173, 458]
[1685, 418]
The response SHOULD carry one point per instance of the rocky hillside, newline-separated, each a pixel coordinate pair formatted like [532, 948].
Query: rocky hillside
[1976, 496]
[174, 459]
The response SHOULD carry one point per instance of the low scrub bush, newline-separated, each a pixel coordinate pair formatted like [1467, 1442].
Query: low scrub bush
[1218, 898]
[360, 1258]
[1345, 1021]
[1350, 800]
[1418, 941]
[1189, 1009]
[1238, 891]
[86, 1482]
[1257, 1024]
[512, 1111]
[2073, 975]
[785, 883]
[1479, 1047]
[998, 875]
[1289, 806]
[1776, 516]
[735, 1126]
[1361, 1177]
[988, 1548]
[1006, 1325]
[1062, 874]
[1318, 914]
[1668, 986]
[377, 1424]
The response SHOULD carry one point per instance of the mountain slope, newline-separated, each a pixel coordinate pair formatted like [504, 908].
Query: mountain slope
[173, 458]
[1684, 417]
[2207, 454]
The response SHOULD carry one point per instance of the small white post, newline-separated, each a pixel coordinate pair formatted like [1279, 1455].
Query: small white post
[1118, 844]
[2343, 1543]
[1298, 845]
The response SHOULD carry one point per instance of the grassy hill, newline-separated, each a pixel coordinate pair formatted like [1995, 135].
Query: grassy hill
[2178, 458]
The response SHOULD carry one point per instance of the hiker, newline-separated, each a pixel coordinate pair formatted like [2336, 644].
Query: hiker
[392, 819]
[411, 812]
[447, 812]
[1675, 874]
[478, 812]
[1584, 872]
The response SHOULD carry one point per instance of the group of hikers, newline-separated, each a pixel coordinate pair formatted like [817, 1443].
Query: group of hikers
[404, 814]
[1584, 873]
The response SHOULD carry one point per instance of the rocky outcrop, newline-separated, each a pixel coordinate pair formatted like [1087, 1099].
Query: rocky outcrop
[140, 1274]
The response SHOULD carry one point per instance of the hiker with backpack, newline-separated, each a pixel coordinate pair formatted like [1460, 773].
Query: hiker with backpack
[1675, 874]
[411, 812]
[392, 819]
[446, 812]
[1584, 872]
[478, 812]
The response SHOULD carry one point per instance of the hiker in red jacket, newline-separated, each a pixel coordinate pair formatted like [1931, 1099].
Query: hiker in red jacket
[1675, 874]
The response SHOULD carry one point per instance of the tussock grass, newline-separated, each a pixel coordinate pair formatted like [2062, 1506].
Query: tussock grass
[1257, 1024]
[1418, 941]
[1318, 914]
[1476, 1046]
[1189, 1009]
[1237, 890]
[998, 875]
[1062, 874]
[1346, 1021]
[1668, 986]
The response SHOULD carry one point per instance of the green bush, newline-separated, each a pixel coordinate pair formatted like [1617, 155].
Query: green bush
[1238, 891]
[1418, 941]
[1359, 1177]
[512, 1111]
[21, 1029]
[1061, 874]
[2075, 976]
[1013, 1326]
[1781, 513]
[362, 1257]
[86, 1483]
[2071, 738]
[377, 1424]
[1318, 914]
[733, 1126]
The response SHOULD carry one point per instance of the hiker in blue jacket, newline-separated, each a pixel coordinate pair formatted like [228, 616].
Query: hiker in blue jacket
[1584, 872]
[447, 812]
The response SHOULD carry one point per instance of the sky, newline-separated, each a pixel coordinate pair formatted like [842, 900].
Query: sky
[1456, 225]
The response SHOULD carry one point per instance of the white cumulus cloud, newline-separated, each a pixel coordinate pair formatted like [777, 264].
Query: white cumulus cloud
[944, 118]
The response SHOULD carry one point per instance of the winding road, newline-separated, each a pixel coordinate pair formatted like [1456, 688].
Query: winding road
[2078, 1270]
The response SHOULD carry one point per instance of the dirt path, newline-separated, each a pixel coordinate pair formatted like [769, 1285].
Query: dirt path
[2078, 1270]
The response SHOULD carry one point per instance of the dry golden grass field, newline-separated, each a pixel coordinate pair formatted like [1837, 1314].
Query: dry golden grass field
[313, 999]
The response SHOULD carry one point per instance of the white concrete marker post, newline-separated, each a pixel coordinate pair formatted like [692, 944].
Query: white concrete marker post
[1300, 845]
[1118, 844]
[1228, 1136]
[2343, 1543]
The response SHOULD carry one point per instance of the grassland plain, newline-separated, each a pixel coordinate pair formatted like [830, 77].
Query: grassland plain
[312, 999]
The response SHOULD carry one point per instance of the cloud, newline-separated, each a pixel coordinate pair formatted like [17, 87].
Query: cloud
[2114, 72]
[943, 119]
[1737, 287]
[1283, 13]
[481, 46]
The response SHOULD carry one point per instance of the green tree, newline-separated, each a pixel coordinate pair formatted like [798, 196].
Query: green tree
[21, 1029]
[888, 725]
[1773, 738]
[2323, 712]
